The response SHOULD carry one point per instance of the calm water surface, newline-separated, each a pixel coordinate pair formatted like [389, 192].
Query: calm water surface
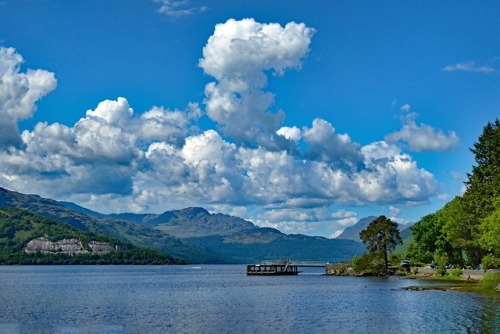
[222, 299]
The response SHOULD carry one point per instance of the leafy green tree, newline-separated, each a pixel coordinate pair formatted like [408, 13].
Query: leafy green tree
[490, 232]
[426, 234]
[381, 236]
[468, 228]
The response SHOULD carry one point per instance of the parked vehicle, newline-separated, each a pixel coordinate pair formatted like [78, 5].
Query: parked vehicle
[405, 264]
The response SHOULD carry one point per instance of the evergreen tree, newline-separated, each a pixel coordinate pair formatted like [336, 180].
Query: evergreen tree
[483, 184]
[469, 225]
[483, 188]
[381, 236]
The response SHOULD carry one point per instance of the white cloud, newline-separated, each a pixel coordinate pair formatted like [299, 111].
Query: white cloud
[326, 145]
[237, 55]
[343, 214]
[469, 66]
[443, 197]
[345, 222]
[394, 211]
[335, 234]
[101, 153]
[178, 8]
[113, 112]
[117, 159]
[292, 133]
[423, 137]
[19, 93]
[391, 176]
[344, 218]
[406, 107]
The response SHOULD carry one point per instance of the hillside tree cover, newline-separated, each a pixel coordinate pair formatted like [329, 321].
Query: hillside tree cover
[466, 231]
[18, 227]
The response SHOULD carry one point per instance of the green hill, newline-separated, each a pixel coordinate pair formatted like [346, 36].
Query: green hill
[191, 234]
[26, 238]
[123, 230]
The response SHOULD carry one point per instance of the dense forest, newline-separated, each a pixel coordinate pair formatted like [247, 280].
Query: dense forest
[466, 231]
[18, 227]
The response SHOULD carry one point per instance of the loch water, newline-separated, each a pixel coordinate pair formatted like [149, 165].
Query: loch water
[222, 299]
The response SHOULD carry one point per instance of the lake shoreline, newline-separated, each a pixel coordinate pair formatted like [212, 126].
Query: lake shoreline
[468, 281]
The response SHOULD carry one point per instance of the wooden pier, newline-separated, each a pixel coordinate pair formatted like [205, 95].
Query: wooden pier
[274, 269]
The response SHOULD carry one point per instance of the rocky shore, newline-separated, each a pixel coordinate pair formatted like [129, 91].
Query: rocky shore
[344, 269]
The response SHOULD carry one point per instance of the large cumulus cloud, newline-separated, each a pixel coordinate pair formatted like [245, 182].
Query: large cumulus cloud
[238, 55]
[18, 94]
[117, 159]
[100, 154]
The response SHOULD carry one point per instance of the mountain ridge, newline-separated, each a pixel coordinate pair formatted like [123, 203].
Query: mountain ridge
[192, 234]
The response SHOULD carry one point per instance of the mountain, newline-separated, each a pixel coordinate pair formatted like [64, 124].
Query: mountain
[270, 245]
[405, 231]
[407, 236]
[26, 238]
[191, 223]
[242, 240]
[192, 234]
[126, 231]
[352, 232]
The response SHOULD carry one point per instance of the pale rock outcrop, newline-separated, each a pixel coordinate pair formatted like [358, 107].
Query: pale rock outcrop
[69, 246]
[104, 247]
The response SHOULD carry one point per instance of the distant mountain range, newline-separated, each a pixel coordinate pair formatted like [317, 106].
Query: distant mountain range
[352, 232]
[191, 234]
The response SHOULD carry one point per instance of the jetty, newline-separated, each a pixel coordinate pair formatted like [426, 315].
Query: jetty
[285, 267]
[273, 268]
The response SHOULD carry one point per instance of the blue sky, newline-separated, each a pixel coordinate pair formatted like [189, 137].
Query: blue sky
[305, 117]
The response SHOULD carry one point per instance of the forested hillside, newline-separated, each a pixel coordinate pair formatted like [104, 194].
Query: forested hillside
[466, 231]
[26, 238]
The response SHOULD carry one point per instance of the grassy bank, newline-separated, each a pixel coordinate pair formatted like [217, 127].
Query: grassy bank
[489, 285]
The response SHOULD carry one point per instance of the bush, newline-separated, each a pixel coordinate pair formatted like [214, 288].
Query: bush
[369, 264]
[490, 262]
[456, 272]
[441, 265]
[490, 281]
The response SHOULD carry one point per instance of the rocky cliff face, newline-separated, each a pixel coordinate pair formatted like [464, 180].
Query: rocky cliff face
[69, 246]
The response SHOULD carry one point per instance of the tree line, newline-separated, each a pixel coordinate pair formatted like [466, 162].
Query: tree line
[466, 231]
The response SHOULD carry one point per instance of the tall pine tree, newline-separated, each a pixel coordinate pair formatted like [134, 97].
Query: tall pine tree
[483, 184]
[483, 188]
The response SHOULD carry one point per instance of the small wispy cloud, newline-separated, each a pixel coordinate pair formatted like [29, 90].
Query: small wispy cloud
[469, 66]
[179, 8]
[421, 137]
